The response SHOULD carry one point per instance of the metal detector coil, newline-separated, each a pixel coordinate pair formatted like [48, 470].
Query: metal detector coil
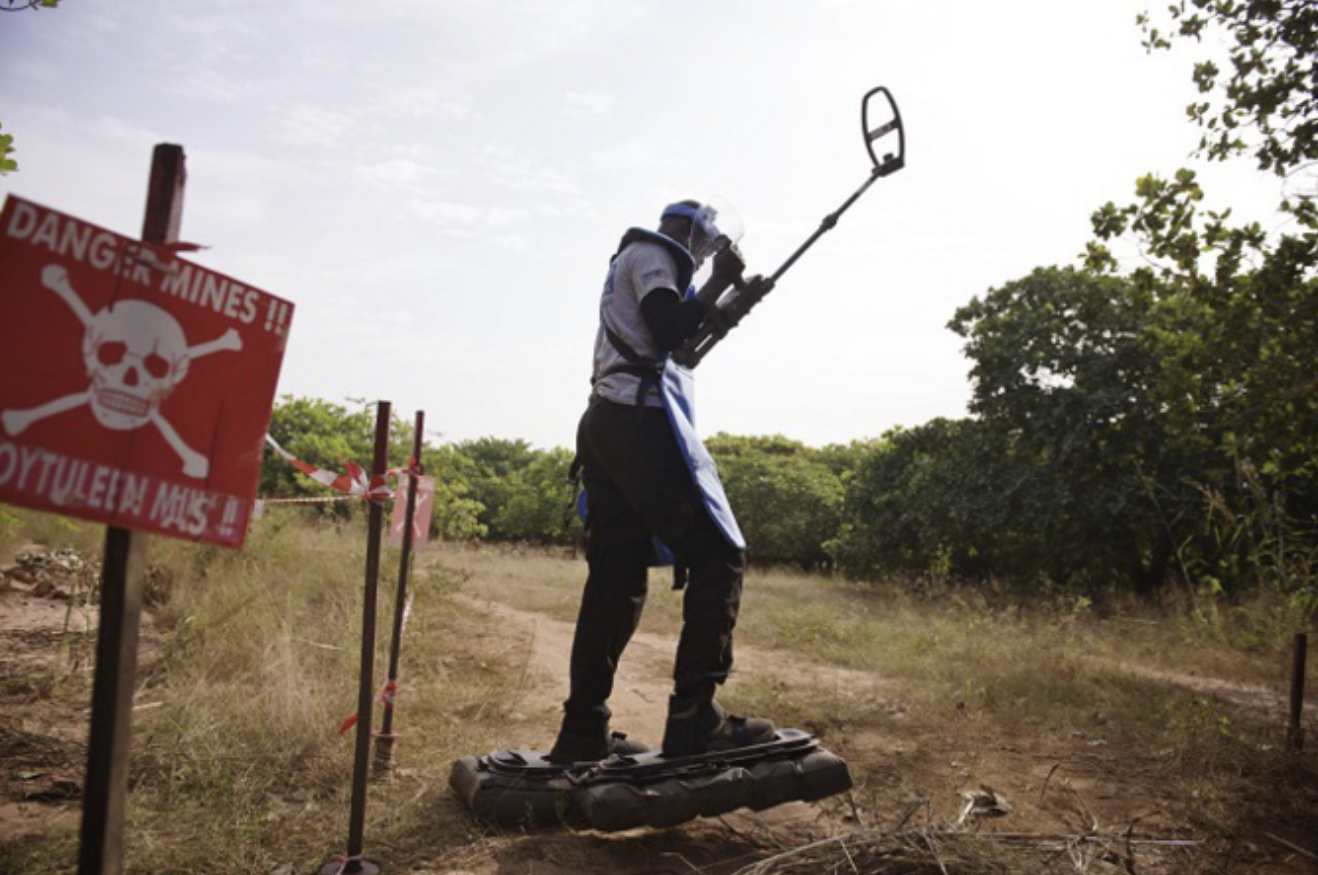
[881, 125]
[522, 789]
[877, 121]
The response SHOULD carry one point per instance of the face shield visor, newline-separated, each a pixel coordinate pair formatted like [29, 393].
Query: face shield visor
[715, 225]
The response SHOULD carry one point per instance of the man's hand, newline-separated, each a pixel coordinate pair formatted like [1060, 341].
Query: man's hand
[726, 271]
[729, 265]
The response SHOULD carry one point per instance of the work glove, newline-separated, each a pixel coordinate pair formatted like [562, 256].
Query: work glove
[729, 265]
[725, 272]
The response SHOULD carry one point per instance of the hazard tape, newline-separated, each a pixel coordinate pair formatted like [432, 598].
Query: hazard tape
[355, 482]
[323, 499]
[355, 485]
[389, 694]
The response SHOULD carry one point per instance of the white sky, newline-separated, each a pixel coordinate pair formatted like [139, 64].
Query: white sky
[438, 184]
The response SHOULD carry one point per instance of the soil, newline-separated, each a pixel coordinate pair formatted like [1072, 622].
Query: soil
[916, 773]
[42, 736]
[1047, 783]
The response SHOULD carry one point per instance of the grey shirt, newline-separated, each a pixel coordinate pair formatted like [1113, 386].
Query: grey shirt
[638, 270]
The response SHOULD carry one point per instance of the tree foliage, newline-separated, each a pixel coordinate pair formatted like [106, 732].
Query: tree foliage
[787, 498]
[328, 435]
[1068, 371]
[538, 505]
[457, 509]
[496, 476]
[7, 164]
[1234, 329]
[320, 433]
[1265, 103]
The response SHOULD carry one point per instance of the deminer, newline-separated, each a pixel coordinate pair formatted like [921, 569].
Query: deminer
[651, 490]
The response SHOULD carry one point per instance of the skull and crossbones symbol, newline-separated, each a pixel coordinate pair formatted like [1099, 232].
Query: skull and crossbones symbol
[136, 355]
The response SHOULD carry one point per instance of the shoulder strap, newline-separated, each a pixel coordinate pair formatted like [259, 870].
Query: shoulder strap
[648, 371]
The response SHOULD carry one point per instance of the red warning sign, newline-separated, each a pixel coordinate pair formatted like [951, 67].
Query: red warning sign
[421, 513]
[136, 386]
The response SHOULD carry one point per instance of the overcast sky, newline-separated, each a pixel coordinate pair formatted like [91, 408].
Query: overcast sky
[438, 184]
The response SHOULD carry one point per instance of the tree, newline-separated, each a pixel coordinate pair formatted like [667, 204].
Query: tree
[541, 507]
[457, 511]
[1267, 103]
[8, 164]
[1238, 306]
[890, 526]
[320, 433]
[6, 149]
[1070, 367]
[958, 499]
[496, 476]
[787, 500]
[327, 435]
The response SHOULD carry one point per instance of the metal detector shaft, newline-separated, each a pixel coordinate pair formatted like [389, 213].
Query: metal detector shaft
[829, 222]
[724, 319]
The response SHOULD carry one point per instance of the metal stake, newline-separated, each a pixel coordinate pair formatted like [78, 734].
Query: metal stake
[353, 863]
[384, 742]
[1295, 735]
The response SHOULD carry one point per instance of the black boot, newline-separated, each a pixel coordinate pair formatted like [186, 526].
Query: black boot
[591, 747]
[696, 727]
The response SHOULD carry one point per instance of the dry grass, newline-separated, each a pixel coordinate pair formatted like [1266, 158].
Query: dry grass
[237, 764]
[957, 652]
[943, 851]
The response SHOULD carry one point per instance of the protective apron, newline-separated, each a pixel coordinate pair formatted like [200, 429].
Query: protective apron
[678, 392]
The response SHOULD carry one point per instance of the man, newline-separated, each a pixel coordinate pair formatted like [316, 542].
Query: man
[642, 484]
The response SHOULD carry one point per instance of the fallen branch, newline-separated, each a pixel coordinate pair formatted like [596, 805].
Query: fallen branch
[945, 851]
[1294, 847]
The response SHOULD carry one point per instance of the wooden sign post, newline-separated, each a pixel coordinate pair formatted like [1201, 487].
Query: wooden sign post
[105, 792]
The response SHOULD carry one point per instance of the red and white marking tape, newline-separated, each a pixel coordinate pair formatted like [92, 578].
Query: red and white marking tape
[353, 483]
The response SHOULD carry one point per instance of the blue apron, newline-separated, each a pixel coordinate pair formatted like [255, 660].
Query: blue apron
[678, 389]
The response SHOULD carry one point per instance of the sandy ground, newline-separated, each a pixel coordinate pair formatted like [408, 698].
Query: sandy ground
[640, 698]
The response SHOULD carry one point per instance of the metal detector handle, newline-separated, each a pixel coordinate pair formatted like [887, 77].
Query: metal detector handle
[723, 320]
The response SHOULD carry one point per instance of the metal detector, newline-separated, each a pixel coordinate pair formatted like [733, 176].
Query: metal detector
[879, 122]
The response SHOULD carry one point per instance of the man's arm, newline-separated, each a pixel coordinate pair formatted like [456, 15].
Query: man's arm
[670, 319]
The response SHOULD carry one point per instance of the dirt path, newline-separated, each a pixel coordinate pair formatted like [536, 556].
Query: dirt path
[46, 733]
[1245, 695]
[640, 698]
[640, 689]
[644, 678]
[1054, 779]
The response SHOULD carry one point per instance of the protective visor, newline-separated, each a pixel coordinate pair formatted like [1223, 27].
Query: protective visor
[715, 225]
